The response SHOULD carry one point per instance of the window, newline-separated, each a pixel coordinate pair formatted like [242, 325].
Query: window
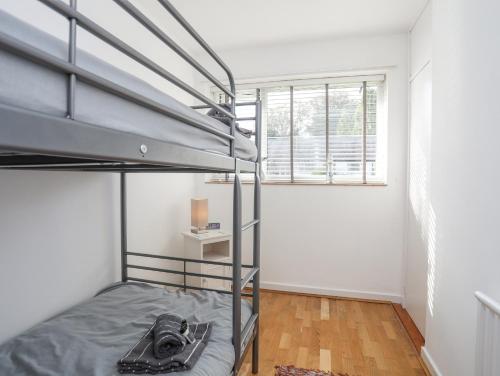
[319, 131]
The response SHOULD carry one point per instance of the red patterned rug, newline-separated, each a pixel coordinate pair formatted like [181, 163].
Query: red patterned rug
[292, 371]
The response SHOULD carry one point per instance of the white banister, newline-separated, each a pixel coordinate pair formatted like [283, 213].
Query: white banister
[487, 301]
[488, 336]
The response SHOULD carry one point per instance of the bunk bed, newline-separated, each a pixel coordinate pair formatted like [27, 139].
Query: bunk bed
[63, 109]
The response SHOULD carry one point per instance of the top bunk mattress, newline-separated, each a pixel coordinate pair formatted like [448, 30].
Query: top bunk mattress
[32, 86]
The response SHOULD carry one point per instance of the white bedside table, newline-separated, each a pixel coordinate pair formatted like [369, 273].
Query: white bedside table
[214, 245]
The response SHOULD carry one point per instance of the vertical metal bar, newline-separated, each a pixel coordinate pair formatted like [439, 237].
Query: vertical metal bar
[237, 270]
[72, 60]
[364, 132]
[256, 279]
[184, 276]
[233, 130]
[258, 131]
[256, 234]
[291, 135]
[327, 130]
[233, 126]
[123, 223]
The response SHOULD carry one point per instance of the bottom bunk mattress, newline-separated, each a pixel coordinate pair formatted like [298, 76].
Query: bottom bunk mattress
[90, 338]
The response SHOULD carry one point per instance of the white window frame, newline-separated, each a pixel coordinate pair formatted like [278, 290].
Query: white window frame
[258, 84]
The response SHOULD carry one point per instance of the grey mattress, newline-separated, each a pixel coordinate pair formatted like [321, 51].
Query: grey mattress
[89, 338]
[32, 86]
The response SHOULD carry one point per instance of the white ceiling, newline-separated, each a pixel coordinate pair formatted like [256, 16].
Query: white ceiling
[227, 24]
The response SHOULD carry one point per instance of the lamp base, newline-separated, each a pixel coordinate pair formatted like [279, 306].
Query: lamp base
[195, 230]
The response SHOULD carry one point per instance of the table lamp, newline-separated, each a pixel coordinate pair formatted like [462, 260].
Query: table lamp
[199, 215]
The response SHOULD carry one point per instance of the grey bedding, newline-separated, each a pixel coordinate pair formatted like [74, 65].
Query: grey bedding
[29, 85]
[91, 337]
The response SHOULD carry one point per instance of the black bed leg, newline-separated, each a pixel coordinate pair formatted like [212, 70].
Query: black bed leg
[255, 352]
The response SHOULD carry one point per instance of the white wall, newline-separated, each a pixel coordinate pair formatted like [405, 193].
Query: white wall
[59, 243]
[59, 232]
[159, 210]
[464, 176]
[336, 240]
[419, 236]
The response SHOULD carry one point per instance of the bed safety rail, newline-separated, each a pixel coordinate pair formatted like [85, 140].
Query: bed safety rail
[76, 74]
[23, 49]
[172, 258]
[81, 20]
[139, 16]
[78, 19]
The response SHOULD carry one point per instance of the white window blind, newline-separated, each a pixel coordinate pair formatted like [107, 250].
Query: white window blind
[309, 132]
[330, 131]
[276, 133]
[345, 142]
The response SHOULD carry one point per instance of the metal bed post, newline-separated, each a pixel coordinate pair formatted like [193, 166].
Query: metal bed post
[233, 111]
[256, 241]
[123, 224]
[72, 60]
[184, 265]
[233, 129]
[237, 270]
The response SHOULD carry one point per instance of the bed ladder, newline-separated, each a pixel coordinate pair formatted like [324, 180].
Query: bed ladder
[250, 331]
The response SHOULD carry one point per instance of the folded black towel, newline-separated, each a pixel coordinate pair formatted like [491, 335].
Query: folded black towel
[170, 335]
[141, 357]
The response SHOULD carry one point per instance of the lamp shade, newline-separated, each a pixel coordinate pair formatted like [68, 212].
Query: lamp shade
[199, 212]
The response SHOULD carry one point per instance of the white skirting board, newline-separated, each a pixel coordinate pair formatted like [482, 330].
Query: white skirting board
[429, 362]
[343, 293]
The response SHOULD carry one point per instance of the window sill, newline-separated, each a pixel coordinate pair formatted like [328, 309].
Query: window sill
[325, 184]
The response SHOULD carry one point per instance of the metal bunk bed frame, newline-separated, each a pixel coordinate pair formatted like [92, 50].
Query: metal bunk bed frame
[36, 141]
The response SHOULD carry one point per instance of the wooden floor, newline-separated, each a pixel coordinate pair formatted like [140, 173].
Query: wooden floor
[358, 338]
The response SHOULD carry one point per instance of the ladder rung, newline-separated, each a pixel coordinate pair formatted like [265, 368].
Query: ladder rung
[249, 327]
[246, 226]
[249, 277]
